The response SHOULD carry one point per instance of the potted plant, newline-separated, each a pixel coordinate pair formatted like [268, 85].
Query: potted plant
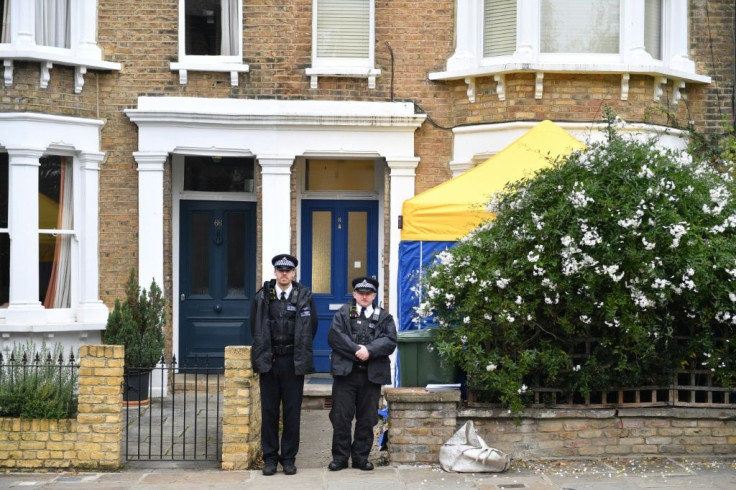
[138, 324]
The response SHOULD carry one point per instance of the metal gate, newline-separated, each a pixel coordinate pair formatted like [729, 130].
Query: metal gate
[180, 419]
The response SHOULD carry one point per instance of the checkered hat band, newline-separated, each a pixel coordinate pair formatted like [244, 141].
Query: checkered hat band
[365, 285]
[285, 263]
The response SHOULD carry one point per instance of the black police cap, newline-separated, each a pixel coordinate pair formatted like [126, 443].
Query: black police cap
[365, 283]
[284, 262]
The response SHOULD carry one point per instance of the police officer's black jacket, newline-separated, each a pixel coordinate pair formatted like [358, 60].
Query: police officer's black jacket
[305, 327]
[382, 342]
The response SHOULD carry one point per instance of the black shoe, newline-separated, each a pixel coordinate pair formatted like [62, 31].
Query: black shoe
[363, 465]
[269, 469]
[337, 465]
[289, 468]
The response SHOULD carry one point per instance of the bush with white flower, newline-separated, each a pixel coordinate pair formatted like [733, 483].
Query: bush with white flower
[615, 267]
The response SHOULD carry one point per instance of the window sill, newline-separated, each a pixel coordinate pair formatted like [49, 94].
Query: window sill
[47, 59]
[233, 68]
[343, 72]
[660, 75]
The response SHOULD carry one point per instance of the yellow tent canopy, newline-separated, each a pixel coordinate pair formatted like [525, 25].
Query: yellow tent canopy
[450, 210]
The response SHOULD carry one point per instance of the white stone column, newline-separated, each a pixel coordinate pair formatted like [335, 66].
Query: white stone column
[86, 42]
[25, 306]
[23, 23]
[403, 173]
[677, 31]
[633, 33]
[91, 309]
[527, 32]
[467, 35]
[150, 217]
[275, 208]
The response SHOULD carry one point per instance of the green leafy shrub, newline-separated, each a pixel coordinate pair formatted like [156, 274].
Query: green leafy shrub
[38, 384]
[613, 268]
[138, 324]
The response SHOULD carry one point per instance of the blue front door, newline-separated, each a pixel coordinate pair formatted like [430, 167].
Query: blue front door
[339, 242]
[217, 278]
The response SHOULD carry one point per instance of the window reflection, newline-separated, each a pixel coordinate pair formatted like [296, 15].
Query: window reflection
[55, 212]
[4, 239]
[215, 174]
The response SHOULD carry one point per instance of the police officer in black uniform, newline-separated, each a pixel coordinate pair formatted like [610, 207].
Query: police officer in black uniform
[283, 322]
[362, 336]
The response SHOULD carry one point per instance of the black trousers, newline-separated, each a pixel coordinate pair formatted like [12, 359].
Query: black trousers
[353, 396]
[281, 386]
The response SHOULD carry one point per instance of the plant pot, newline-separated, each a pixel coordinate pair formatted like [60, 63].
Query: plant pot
[135, 387]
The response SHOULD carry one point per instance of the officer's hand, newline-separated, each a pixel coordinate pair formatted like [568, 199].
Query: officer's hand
[362, 353]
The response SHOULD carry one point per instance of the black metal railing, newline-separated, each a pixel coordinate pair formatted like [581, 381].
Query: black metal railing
[180, 419]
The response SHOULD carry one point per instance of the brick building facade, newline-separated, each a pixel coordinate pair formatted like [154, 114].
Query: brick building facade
[157, 129]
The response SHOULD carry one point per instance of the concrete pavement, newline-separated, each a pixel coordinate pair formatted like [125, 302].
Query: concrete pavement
[618, 474]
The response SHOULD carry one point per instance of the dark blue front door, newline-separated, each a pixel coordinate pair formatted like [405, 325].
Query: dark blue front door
[339, 242]
[217, 278]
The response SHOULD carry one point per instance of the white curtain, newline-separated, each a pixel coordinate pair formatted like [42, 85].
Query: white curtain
[58, 293]
[653, 28]
[499, 27]
[53, 23]
[580, 26]
[230, 37]
[5, 27]
[343, 28]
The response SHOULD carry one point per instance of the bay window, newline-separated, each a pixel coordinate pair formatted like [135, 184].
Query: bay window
[49, 219]
[497, 37]
[51, 32]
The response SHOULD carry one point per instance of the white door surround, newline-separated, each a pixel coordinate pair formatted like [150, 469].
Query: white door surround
[276, 132]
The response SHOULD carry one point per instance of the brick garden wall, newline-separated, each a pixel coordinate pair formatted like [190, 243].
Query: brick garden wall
[92, 440]
[420, 422]
[241, 425]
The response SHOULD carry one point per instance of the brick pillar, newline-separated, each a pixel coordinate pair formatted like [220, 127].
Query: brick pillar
[100, 413]
[419, 423]
[241, 424]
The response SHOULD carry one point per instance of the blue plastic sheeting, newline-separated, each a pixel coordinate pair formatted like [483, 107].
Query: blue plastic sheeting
[414, 258]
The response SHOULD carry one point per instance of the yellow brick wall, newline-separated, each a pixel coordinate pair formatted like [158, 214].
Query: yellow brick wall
[241, 422]
[92, 440]
[420, 422]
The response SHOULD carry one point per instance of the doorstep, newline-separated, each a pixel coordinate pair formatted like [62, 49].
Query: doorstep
[317, 391]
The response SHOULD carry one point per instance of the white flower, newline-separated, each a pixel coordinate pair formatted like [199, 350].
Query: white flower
[732, 296]
[578, 198]
[466, 320]
[522, 389]
[677, 231]
[531, 257]
[576, 368]
[491, 367]
[464, 339]
[518, 300]
[502, 283]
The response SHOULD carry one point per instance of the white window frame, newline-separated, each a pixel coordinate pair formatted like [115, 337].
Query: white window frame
[344, 67]
[232, 64]
[26, 137]
[467, 62]
[83, 53]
